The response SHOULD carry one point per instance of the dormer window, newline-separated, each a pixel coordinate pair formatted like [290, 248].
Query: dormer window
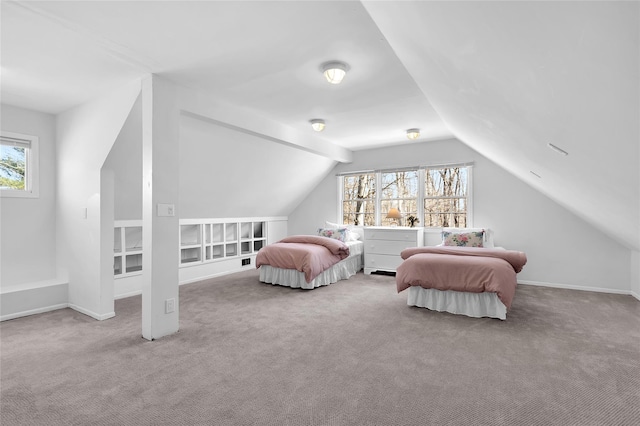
[18, 165]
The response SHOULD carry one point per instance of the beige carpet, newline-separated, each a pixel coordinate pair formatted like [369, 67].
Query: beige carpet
[352, 353]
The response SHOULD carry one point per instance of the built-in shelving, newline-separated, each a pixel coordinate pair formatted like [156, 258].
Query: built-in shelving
[127, 248]
[210, 240]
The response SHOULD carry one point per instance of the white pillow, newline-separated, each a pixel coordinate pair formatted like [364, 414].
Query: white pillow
[351, 236]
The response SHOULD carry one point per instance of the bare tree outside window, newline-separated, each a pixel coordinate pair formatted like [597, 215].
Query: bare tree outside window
[399, 190]
[359, 198]
[445, 202]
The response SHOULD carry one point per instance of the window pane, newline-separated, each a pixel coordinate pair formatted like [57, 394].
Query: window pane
[450, 212]
[365, 219]
[406, 207]
[359, 187]
[359, 213]
[445, 201]
[399, 190]
[446, 182]
[12, 167]
[446, 220]
[400, 184]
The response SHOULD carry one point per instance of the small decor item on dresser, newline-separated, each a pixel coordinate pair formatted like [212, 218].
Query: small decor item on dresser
[412, 220]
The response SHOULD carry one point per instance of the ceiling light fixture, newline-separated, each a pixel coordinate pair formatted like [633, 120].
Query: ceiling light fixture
[413, 134]
[334, 71]
[317, 124]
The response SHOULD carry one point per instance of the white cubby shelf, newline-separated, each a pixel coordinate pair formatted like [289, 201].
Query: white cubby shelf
[211, 240]
[127, 248]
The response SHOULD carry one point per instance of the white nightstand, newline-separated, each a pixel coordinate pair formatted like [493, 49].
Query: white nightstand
[383, 244]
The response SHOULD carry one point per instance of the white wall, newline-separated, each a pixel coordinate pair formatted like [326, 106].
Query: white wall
[28, 225]
[85, 135]
[125, 159]
[124, 166]
[561, 248]
[227, 173]
[507, 88]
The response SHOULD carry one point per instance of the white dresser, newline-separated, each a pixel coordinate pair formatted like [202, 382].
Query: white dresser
[383, 244]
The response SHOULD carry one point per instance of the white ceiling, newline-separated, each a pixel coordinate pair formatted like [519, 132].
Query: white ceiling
[506, 78]
[264, 56]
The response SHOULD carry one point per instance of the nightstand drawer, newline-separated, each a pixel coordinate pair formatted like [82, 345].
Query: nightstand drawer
[382, 262]
[388, 246]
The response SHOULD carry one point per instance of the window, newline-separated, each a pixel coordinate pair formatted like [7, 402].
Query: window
[439, 196]
[358, 201]
[18, 165]
[445, 198]
[399, 190]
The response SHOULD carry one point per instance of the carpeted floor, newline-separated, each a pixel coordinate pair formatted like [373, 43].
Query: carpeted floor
[352, 353]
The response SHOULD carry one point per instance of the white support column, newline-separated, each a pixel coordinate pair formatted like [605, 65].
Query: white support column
[160, 171]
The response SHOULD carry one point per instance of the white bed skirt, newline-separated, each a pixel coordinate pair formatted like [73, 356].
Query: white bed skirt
[475, 305]
[295, 279]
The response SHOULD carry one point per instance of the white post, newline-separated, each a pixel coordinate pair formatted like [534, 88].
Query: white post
[160, 171]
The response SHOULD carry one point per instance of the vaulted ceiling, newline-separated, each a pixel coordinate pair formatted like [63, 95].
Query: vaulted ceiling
[506, 78]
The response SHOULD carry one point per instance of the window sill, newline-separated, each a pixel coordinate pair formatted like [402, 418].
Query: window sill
[11, 193]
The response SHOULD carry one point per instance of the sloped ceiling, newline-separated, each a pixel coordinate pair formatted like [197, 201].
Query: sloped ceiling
[264, 56]
[508, 78]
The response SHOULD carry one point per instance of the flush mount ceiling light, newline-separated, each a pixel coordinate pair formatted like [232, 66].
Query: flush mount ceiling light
[317, 124]
[413, 133]
[334, 71]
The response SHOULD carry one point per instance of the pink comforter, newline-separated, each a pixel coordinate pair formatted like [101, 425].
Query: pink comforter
[305, 253]
[468, 269]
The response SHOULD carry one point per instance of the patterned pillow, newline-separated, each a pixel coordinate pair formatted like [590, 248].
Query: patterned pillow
[335, 233]
[462, 238]
[351, 234]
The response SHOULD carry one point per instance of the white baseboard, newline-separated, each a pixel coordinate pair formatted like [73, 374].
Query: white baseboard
[214, 275]
[92, 314]
[577, 287]
[636, 295]
[34, 311]
[129, 294]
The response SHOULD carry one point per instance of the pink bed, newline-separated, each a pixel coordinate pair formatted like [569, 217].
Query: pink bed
[477, 282]
[308, 261]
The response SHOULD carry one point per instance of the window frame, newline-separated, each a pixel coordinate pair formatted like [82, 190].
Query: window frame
[374, 200]
[398, 201]
[468, 198]
[32, 167]
[420, 200]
